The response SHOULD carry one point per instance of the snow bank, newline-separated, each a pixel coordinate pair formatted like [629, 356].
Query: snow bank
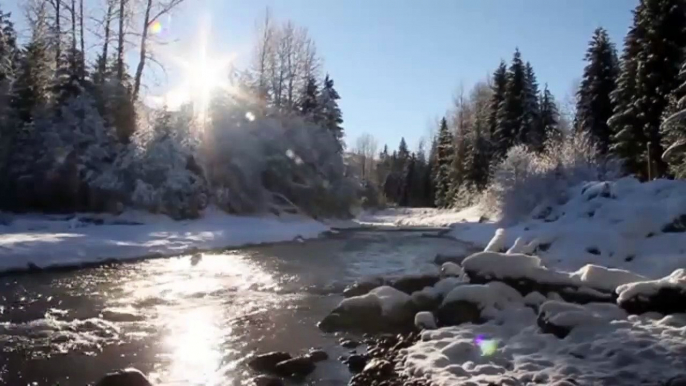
[510, 350]
[46, 241]
[623, 224]
[418, 217]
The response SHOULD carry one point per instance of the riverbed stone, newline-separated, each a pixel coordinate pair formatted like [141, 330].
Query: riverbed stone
[267, 362]
[349, 343]
[296, 367]
[356, 363]
[458, 312]
[125, 377]
[317, 355]
[266, 380]
[363, 287]
[414, 283]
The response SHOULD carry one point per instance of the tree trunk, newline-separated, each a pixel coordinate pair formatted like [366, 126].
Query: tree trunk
[83, 42]
[58, 48]
[120, 47]
[141, 61]
[106, 43]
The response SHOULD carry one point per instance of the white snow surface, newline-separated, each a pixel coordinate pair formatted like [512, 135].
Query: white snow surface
[418, 217]
[510, 349]
[615, 224]
[50, 241]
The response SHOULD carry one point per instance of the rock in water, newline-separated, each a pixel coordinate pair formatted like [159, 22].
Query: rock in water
[296, 367]
[414, 283]
[317, 355]
[356, 363]
[425, 321]
[458, 312]
[126, 377]
[267, 362]
[266, 380]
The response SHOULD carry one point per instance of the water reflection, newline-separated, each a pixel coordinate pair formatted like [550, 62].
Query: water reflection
[194, 343]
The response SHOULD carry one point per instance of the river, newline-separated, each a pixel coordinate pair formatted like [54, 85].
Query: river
[193, 320]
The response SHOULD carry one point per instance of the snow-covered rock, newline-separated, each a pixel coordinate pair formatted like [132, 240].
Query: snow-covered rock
[606, 279]
[383, 307]
[559, 318]
[476, 302]
[666, 295]
[497, 243]
[425, 321]
[517, 247]
[451, 270]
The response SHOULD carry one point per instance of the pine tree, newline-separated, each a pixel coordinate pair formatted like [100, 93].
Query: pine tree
[510, 115]
[549, 119]
[444, 160]
[655, 43]
[499, 84]
[594, 105]
[627, 141]
[8, 49]
[530, 133]
[429, 177]
[308, 101]
[330, 114]
[674, 129]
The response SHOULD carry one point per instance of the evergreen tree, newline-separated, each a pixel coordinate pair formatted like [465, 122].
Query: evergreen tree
[308, 101]
[627, 141]
[530, 133]
[479, 168]
[511, 112]
[549, 119]
[403, 154]
[499, 85]
[674, 129]
[444, 160]
[330, 114]
[655, 43]
[8, 50]
[594, 105]
[429, 176]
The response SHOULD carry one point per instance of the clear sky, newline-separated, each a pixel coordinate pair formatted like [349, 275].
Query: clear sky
[398, 63]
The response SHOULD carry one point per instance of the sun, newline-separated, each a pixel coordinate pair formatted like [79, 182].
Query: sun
[201, 75]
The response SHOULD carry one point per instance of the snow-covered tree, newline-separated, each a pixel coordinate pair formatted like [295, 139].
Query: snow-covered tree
[510, 115]
[549, 120]
[674, 129]
[329, 115]
[531, 132]
[594, 106]
[308, 103]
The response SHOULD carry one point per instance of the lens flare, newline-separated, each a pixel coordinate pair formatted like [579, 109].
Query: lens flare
[156, 27]
[488, 347]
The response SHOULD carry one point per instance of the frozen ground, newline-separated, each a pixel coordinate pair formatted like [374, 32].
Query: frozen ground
[49, 241]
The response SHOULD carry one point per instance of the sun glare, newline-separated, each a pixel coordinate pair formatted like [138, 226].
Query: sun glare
[203, 74]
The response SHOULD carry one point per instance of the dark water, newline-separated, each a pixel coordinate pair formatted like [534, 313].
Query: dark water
[190, 322]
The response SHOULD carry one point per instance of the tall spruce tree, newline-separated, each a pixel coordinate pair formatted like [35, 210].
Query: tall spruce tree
[329, 113]
[510, 115]
[674, 129]
[662, 52]
[530, 132]
[444, 160]
[628, 141]
[653, 53]
[594, 105]
[549, 119]
[407, 195]
[308, 102]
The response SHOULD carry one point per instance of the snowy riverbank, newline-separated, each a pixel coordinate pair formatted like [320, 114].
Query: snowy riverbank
[54, 241]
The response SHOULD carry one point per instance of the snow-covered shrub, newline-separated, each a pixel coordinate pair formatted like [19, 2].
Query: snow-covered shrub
[256, 161]
[157, 171]
[526, 180]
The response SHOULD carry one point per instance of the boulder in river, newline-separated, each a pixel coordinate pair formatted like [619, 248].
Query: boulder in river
[666, 295]
[296, 367]
[457, 312]
[356, 363]
[363, 287]
[267, 362]
[414, 283]
[126, 377]
[383, 309]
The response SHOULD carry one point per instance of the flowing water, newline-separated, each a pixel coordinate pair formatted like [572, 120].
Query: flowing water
[190, 320]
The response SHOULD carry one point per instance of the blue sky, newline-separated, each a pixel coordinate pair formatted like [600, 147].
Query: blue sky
[398, 63]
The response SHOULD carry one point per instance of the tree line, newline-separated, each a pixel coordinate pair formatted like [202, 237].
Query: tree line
[75, 135]
[630, 108]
